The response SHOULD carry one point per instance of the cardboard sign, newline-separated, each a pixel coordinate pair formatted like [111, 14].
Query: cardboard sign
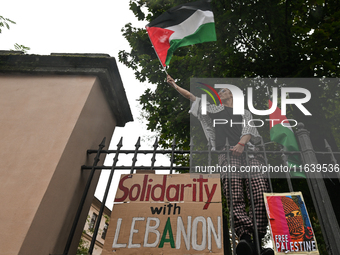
[166, 214]
[291, 229]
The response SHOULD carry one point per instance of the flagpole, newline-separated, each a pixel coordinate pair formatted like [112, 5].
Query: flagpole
[156, 53]
[159, 58]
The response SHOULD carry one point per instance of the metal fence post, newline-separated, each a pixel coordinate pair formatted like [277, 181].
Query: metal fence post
[230, 205]
[134, 159]
[318, 190]
[83, 198]
[173, 146]
[102, 206]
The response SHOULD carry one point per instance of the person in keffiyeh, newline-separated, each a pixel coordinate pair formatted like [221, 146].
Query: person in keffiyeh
[238, 136]
[294, 219]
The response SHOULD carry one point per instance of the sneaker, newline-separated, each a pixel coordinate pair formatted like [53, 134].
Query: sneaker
[264, 251]
[244, 248]
[267, 251]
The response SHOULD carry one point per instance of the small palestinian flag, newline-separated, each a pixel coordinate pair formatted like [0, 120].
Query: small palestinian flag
[284, 135]
[180, 26]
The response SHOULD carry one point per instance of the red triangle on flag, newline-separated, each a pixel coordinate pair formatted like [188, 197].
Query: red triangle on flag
[160, 41]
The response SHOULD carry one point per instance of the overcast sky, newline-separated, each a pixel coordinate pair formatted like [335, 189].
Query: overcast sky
[84, 26]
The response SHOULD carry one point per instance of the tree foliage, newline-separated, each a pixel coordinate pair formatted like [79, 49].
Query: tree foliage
[5, 22]
[20, 47]
[83, 247]
[254, 38]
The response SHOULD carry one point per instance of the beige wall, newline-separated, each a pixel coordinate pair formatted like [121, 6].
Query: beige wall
[47, 124]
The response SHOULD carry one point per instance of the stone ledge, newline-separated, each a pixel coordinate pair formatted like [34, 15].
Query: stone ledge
[101, 65]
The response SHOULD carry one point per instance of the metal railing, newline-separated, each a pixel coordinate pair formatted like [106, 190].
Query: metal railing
[317, 187]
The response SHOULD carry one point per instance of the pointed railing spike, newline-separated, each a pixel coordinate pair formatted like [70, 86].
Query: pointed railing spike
[329, 149]
[191, 142]
[227, 142]
[285, 163]
[102, 144]
[155, 145]
[174, 141]
[172, 154]
[134, 159]
[153, 159]
[120, 144]
[227, 149]
[209, 153]
[327, 146]
[137, 145]
[191, 153]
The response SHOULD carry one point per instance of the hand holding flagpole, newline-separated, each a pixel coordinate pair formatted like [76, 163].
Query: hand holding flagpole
[171, 82]
[187, 94]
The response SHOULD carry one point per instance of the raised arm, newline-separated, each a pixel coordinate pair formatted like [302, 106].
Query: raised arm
[180, 90]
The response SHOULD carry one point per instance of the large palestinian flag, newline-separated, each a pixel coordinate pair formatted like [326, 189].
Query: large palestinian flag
[180, 26]
[284, 135]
